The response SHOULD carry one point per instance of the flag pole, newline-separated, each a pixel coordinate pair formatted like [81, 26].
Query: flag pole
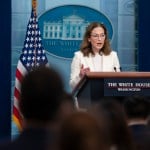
[34, 7]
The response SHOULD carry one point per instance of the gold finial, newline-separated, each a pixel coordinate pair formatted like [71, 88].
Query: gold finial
[34, 4]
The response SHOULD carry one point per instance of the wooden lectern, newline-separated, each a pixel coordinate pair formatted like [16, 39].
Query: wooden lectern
[95, 85]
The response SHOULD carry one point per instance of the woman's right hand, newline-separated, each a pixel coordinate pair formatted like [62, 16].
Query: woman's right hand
[83, 70]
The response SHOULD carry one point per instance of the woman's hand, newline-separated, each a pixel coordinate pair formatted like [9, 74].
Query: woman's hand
[83, 71]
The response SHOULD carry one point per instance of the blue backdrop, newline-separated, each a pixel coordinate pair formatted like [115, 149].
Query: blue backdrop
[144, 34]
[5, 69]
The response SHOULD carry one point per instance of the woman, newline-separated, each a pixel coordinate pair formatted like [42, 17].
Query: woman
[95, 54]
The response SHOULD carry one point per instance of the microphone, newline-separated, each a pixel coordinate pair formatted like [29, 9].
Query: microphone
[115, 69]
[120, 69]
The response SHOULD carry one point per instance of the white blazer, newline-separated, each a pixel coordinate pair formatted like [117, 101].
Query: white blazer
[109, 63]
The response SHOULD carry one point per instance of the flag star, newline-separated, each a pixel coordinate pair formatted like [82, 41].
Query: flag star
[38, 58]
[29, 58]
[34, 19]
[30, 51]
[31, 39]
[27, 39]
[25, 52]
[31, 46]
[32, 33]
[33, 26]
[33, 58]
[37, 64]
[28, 33]
[32, 64]
[23, 58]
[29, 26]
[39, 45]
[39, 51]
[43, 57]
[28, 64]
[26, 45]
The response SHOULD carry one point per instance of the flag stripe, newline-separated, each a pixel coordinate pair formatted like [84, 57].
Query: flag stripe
[16, 113]
[17, 84]
[18, 75]
[17, 93]
[16, 103]
[21, 68]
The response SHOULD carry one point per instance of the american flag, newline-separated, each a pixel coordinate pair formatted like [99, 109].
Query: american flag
[33, 55]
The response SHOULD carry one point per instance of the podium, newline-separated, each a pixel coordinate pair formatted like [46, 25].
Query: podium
[95, 85]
